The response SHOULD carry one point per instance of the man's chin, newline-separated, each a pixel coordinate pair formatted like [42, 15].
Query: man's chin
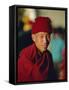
[43, 50]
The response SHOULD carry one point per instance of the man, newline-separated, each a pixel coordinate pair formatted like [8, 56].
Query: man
[35, 61]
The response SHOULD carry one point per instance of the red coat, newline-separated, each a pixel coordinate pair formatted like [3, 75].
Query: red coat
[34, 66]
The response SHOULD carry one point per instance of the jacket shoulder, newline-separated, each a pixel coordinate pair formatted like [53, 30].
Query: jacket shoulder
[28, 51]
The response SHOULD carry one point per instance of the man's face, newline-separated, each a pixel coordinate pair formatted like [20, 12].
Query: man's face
[41, 40]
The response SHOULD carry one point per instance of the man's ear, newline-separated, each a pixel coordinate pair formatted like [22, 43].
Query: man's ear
[33, 37]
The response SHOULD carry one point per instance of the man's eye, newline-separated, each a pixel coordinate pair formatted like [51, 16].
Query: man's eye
[41, 36]
[47, 36]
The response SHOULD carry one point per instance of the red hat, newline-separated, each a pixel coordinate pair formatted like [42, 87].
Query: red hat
[42, 24]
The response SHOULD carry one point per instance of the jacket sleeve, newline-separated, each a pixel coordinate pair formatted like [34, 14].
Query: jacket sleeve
[27, 71]
[24, 67]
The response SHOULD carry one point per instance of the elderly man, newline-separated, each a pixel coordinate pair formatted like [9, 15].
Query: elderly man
[35, 61]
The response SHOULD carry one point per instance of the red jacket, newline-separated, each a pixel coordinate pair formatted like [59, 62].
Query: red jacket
[34, 66]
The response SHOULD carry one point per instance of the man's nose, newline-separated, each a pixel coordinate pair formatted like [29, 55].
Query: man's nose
[45, 40]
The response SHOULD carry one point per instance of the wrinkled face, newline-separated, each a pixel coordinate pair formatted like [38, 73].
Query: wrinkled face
[41, 40]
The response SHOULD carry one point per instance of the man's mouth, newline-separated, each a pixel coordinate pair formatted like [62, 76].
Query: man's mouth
[45, 45]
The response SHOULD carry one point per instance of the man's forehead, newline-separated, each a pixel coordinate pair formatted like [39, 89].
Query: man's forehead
[42, 33]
